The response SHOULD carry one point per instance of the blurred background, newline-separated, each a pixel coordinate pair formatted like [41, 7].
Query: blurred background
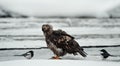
[94, 23]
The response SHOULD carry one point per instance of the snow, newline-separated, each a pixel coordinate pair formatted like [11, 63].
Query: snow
[38, 44]
[60, 7]
[58, 63]
[75, 31]
[27, 33]
[31, 42]
[23, 44]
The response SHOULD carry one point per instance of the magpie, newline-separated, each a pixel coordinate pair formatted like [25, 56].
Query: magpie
[27, 55]
[105, 54]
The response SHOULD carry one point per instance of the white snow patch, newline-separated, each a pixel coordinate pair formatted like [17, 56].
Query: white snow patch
[58, 63]
[23, 44]
[69, 30]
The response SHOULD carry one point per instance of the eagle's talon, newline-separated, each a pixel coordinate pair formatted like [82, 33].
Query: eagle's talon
[55, 57]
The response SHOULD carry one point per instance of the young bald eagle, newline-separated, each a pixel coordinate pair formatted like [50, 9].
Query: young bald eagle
[60, 42]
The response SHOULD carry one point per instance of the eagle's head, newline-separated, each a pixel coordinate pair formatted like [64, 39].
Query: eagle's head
[46, 28]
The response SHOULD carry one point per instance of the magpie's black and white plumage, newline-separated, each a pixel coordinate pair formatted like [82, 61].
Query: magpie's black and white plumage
[60, 42]
[105, 54]
[27, 55]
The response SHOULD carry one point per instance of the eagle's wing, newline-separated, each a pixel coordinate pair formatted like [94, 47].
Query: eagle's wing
[60, 38]
[67, 43]
[62, 33]
[75, 47]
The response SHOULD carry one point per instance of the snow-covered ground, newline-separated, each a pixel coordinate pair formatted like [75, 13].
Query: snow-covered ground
[26, 33]
[57, 63]
[45, 54]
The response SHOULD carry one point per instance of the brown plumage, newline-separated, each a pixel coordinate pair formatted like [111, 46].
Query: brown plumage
[60, 42]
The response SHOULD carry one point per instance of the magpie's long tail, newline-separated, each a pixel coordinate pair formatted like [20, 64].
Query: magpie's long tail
[115, 55]
[18, 55]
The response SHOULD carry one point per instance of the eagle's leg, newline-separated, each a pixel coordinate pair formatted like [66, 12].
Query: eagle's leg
[56, 57]
[55, 50]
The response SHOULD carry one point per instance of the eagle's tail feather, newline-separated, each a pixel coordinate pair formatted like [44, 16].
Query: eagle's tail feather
[83, 53]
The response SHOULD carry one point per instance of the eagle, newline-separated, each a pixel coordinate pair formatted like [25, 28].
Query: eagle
[61, 43]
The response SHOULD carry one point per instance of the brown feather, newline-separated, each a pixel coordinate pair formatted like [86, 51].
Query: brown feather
[60, 39]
